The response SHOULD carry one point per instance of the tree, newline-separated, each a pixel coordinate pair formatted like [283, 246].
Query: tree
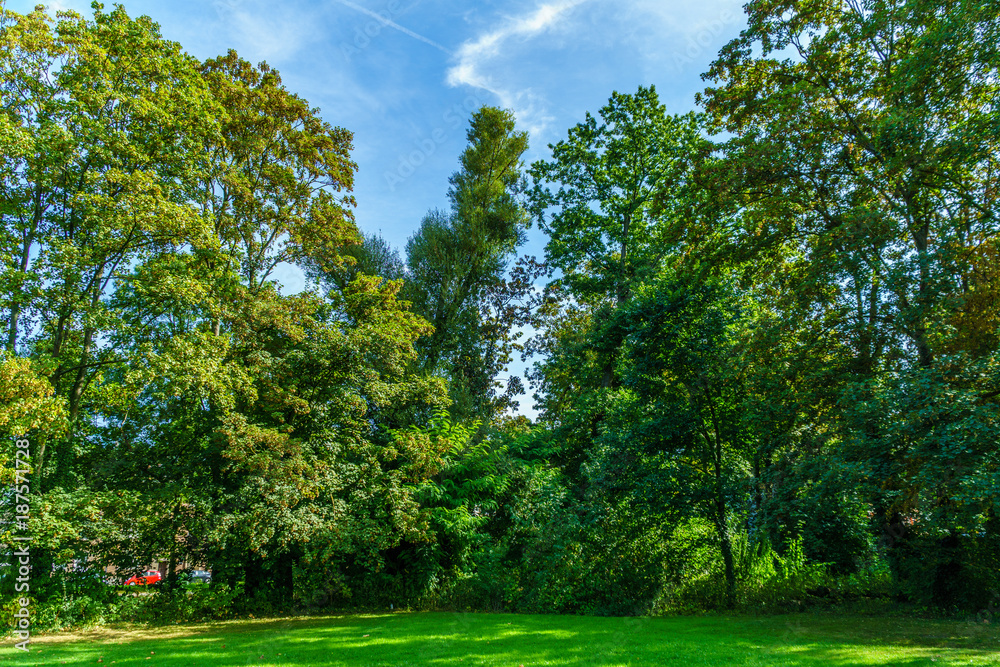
[678, 419]
[609, 227]
[104, 114]
[863, 161]
[273, 187]
[457, 263]
[101, 125]
[146, 200]
[373, 256]
[871, 145]
[255, 404]
[606, 226]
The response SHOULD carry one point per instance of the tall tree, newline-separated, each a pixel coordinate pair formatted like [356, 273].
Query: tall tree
[863, 160]
[865, 141]
[458, 261]
[105, 119]
[277, 186]
[681, 412]
[597, 197]
[599, 201]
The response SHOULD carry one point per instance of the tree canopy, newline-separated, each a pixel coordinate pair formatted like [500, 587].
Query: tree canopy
[764, 334]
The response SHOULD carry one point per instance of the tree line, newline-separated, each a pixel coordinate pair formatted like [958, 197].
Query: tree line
[764, 332]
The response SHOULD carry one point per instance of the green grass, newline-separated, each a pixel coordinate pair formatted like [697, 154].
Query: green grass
[507, 639]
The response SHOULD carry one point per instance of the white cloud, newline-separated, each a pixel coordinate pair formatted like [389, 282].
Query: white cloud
[473, 55]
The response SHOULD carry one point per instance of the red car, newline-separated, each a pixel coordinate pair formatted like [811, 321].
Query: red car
[150, 577]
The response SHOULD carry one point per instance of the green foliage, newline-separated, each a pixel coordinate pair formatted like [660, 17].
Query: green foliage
[457, 271]
[608, 229]
[372, 257]
[770, 371]
[26, 397]
[153, 607]
[768, 581]
[854, 182]
[681, 403]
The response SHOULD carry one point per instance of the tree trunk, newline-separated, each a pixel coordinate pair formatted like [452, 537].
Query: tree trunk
[28, 240]
[172, 557]
[924, 297]
[76, 393]
[721, 520]
[253, 574]
[727, 558]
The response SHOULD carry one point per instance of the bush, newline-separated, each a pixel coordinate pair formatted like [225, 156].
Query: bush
[773, 582]
[693, 578]
[152, 606]
[767, 581]
[72, 612]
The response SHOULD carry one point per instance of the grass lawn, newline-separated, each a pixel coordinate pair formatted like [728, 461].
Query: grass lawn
[512, 640]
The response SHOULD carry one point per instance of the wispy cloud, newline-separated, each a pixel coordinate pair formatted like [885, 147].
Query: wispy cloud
[473, 55]
[392, 24]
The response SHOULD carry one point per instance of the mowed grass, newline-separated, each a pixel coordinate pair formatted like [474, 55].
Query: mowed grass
[508, 639]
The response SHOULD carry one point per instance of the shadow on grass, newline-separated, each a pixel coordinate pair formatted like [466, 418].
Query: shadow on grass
[506, 639]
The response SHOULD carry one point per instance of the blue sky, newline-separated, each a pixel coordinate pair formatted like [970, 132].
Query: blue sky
[404, 75]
